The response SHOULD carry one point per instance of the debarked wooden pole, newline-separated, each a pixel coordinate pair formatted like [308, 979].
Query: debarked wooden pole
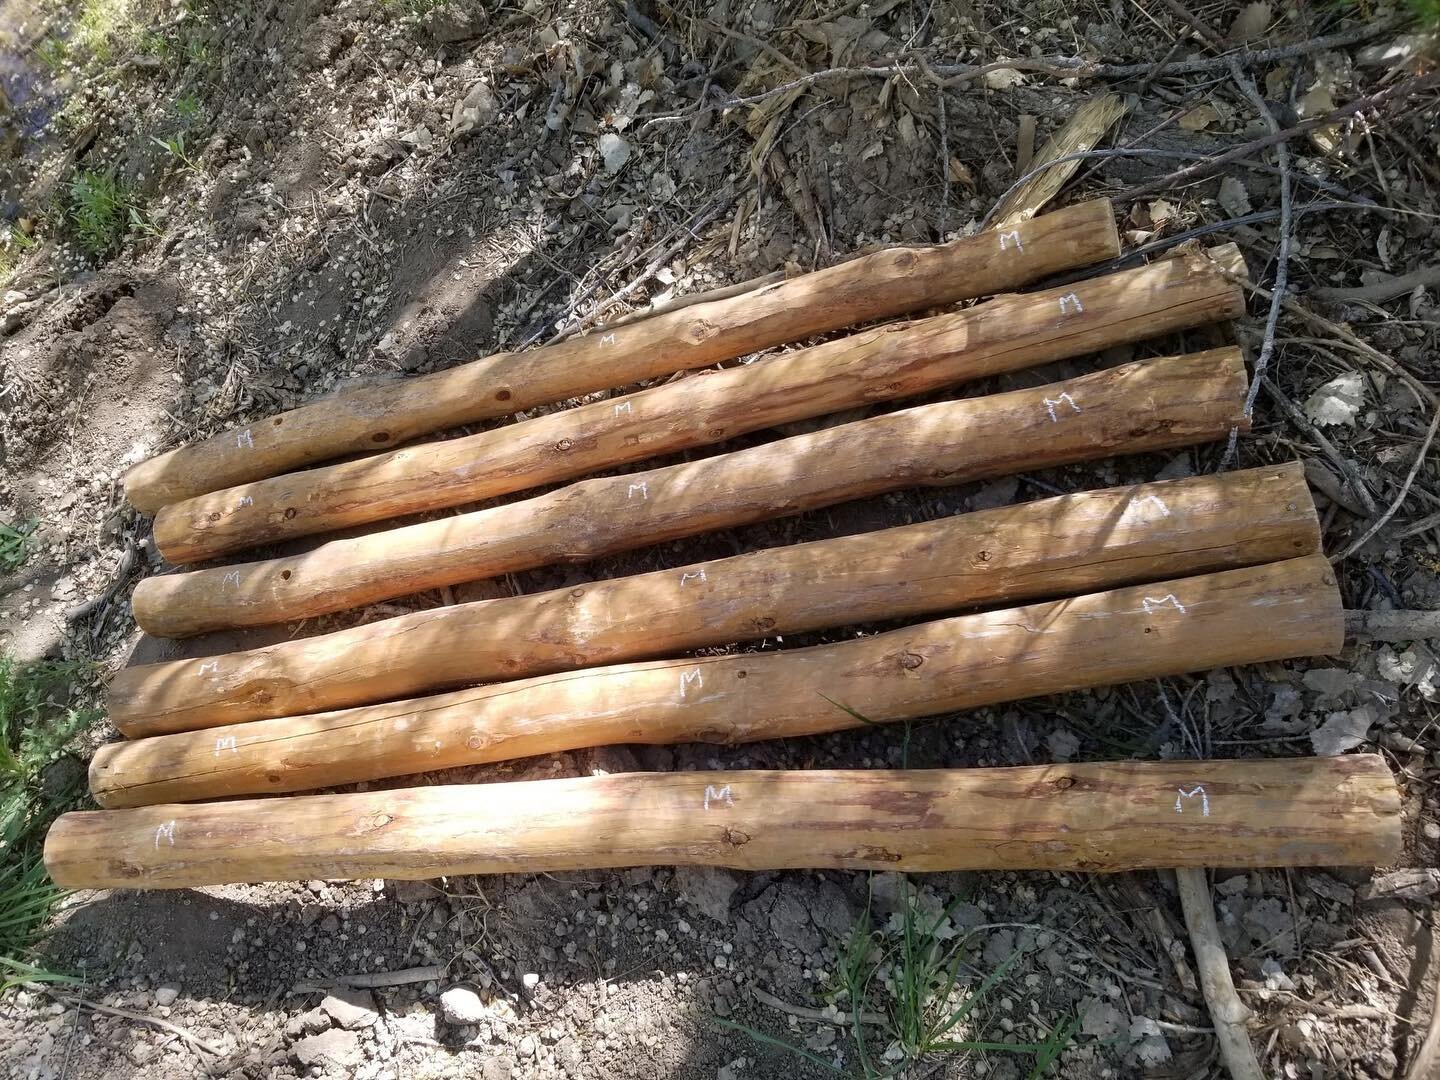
[890, 362]
[1150, 405]
[1104, 817]
[1270, 612]
[1011, 554]
[882, 285]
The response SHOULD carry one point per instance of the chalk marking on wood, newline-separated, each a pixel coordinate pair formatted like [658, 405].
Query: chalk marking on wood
[167, 831]
[1013, 235]
[1152, 604]
[1070, 300]
[624, 407]
[1052, 404]
[1198, 789]
[642, 487]
[245, 500]
[231, 579]
[689, 679]
[226, 742]
[718, 795]
[209, 667]
[608, 339]
[691, 575]
[1156, 500]
[243, 440]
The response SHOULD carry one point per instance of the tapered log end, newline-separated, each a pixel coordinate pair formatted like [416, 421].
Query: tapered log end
[1104, 213]
[1371, 784]
[170, 532]
[144, 485]
[99, 775]
[68, 859]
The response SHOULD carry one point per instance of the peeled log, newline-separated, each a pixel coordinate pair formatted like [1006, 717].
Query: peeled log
[1340, 811]
[1150, 405]
[878, 286]
[1052, 547]
[889, 362]
[1270, 612]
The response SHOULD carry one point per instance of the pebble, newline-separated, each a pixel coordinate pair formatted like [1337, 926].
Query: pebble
[461, 1005]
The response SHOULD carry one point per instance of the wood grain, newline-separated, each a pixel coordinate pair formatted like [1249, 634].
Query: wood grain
[1342, 811]
[1150, 405]
[889, 362]
[882, 285]
[1270, 612]
[1008, 555]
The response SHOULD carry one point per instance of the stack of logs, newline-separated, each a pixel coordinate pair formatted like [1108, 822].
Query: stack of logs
[1079, 590]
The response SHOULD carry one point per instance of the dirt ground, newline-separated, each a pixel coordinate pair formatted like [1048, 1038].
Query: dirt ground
[375, 188]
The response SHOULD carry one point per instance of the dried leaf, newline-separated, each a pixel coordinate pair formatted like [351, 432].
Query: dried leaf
[960, 174]
[1161, 211]
[1234, 199]
[1251, 23]
[875, 149]
[906, 129]
[1338, 401]
[1199, 118]
[1004, 78]
[1342, 731]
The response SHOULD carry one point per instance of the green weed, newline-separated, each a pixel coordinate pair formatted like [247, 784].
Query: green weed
[174, 145]
[100, 210]
[37, 724]
[909, 974]
[199, 53]
[14, 243]
[14, 540]
[53, 54]
[187, 107]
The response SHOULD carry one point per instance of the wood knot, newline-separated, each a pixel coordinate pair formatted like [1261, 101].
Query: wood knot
[701, 330]
[1064, 783]
[381, 436]
[982, 556]
[910, 661]
[290, 513]
[215, 517]
[563, 445]
[502, 395]
[476, 741]
[764, 625]
[904, 260]
[576, 594]
[735, 838]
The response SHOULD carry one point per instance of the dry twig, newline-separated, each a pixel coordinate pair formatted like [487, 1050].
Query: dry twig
[1226, 1008]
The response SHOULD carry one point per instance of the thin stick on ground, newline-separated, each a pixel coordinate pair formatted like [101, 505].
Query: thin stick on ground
[1282, 257]
[1059, 67]
[154, 1021]
[1202, 169]
[1226, 1008]
[1399, 500]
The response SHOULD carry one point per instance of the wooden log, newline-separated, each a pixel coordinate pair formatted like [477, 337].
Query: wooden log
[1150, 405]
[889, 362]
[878, 286]
[1103, 817]
[1052, 547]
[1271, 612]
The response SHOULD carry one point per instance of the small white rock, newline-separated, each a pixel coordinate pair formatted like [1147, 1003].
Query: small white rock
[615, 151]
[461, 1005]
